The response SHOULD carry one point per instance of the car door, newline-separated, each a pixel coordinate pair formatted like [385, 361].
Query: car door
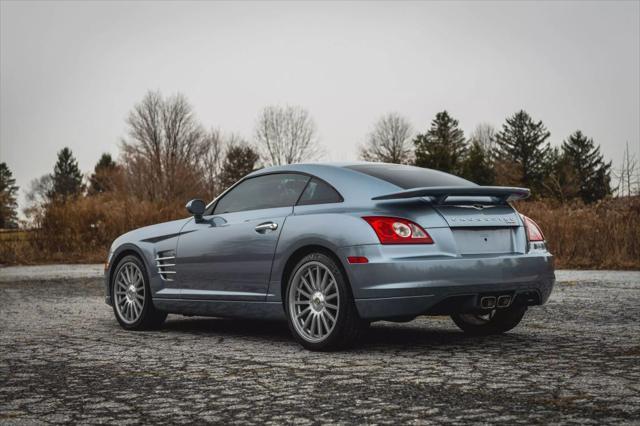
[227, 255]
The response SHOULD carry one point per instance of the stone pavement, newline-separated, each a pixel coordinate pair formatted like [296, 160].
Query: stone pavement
[63, 358]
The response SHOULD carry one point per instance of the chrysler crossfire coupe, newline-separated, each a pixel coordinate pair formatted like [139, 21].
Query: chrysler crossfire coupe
[334, 247]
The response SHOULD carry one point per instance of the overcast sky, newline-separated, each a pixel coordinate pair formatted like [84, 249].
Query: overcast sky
[70, 72]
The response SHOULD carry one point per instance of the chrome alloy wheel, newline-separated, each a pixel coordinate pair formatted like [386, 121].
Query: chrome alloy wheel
[129, 292]
[314, 301]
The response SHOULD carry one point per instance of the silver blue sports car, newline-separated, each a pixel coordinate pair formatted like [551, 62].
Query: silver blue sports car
[334, 247]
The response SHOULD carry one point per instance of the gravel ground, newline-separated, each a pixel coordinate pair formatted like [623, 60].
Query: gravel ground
[50, 272]
[63, 358]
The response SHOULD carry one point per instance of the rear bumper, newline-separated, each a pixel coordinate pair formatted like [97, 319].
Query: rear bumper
[396, 284]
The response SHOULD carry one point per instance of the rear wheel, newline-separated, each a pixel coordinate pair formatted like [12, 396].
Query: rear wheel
[132, 303]
[320, 310]
[493, 322]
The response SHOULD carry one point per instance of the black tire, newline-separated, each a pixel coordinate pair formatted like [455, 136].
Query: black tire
[499, 321]
[348, 326]
[150, 318]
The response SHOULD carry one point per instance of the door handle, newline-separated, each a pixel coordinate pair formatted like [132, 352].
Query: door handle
[267, 226]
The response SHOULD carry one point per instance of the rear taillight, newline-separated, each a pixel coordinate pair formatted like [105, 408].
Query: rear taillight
[533, 230]
[393, 230]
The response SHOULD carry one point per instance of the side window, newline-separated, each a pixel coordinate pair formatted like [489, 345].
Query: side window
[318, 192]
[263, 192]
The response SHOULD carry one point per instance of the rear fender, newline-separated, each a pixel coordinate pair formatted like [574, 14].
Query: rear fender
[315, 226]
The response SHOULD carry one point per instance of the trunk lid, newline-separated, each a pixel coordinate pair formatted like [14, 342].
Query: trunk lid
[482, 229]
[478, 216]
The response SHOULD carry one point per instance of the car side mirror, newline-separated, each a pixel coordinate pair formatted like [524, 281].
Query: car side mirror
[196, 207]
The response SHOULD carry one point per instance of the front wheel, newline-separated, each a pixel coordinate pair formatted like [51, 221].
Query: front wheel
[131, 296]
[493, 322]
[320, 310]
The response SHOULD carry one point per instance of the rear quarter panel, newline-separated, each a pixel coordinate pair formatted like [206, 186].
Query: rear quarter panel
[322, 225]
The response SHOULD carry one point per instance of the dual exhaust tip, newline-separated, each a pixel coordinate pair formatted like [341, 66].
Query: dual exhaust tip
[491, 302]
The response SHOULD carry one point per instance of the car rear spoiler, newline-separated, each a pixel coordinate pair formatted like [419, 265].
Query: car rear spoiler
[441, 193]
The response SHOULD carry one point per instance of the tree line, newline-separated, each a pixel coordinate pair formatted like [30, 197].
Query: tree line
[167, 156]
[519, 154]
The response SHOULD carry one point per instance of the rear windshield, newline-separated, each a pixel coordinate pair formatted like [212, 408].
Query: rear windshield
[407, 177]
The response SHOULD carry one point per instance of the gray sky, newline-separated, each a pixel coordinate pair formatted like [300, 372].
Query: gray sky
[70, 72]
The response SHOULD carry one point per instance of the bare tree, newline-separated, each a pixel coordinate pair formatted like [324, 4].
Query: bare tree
[215, 160]
[166, 142]
[485, 135]
[628, 181]
[38, 197]
[211, 162]
[286, 135]
[390, 141]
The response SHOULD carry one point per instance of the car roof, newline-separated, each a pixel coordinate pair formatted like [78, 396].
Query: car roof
[352, 184]
[362, 181]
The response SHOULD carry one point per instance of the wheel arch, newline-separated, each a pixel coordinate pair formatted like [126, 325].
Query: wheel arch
[300, 253]
[119, 254]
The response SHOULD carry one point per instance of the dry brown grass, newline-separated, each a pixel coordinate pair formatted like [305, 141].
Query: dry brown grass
[82, 230]
[601, 236]
[605, 235]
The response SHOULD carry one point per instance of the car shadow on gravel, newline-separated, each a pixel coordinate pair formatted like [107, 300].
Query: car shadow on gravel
[383, 335]
[228, 327]
[380, 336]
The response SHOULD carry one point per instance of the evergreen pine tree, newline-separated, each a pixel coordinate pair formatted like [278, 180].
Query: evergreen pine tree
[8, 201]
[239, 161]
[477, 165]
[442, 147]
[593, 175]
[559, 181]
[67, 179]
[523, 143]
[103, 175]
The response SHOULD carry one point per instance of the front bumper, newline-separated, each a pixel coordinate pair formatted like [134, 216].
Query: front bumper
[397, 284]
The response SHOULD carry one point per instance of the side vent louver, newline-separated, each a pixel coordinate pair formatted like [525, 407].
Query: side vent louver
[165, 261]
